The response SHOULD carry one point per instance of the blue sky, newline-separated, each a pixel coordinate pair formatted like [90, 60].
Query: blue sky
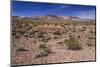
[20, 8]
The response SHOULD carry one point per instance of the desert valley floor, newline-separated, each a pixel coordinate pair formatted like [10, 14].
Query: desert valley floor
[42, 42]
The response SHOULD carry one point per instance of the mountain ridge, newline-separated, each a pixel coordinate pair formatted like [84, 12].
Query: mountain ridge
[52, 17]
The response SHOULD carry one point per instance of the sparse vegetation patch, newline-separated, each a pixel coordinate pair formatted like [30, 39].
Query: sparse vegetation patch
[72, 44]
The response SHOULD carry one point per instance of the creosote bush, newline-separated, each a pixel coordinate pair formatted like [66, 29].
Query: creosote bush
[45, 51]
[55, 37]
[57, 33]
[72, 44]
[41, 54]
[45, 48]
[78, 36]
[83, 29]
[21, 49]
[46, 39]
[89, 44]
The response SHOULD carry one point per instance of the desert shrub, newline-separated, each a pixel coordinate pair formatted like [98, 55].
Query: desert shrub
[40, 34]
[21, 31]
[20, 26]
[41, 54]
[55, 37]
[89, 44]
[35, 25]
[35, 41]
[78, 36]
[56, 24]
[70, 35]
[74, 24]
[21, 49]
[29, 28]
[74, 30]
[35, 31]
[57, 33]
[48, 50]
[91, 37]
[45, 48]
[92, 32]
[31, 34]
[46, 39]
[60, 43]
[63, 26]
[14, 33]
[45, 51]
[17, 36]
[72, 44]
[83, 29]
[25, 35]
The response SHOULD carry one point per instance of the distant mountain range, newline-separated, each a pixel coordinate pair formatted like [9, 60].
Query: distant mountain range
[51, 17]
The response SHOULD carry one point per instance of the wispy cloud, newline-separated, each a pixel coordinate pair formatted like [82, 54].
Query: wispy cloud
[65, 6]
[87, 14]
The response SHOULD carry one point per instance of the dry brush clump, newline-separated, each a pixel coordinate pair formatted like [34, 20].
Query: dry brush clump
[83, 29]
[45, 51]
[72, 44]
[46, 39]
[21, 49]
[57, 33]
[41, 54]
[45, 47]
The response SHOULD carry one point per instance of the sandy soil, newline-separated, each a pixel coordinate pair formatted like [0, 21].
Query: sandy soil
[60, 53]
